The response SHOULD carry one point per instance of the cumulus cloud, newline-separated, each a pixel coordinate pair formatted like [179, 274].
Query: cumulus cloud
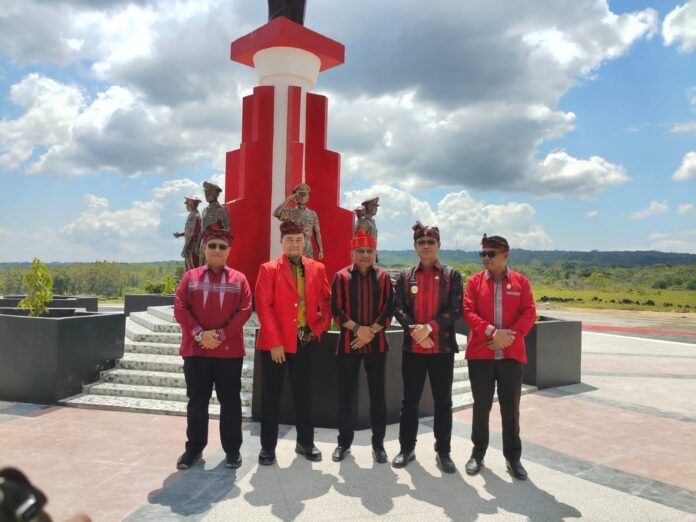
[679, 27]
[592, 214]
[461, 218]
[653, 209]
[679, 241]
[687, 209]
[687, 168]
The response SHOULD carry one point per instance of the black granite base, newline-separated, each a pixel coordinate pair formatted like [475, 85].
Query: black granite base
[554, 353]
[141, 302]
[91, 304]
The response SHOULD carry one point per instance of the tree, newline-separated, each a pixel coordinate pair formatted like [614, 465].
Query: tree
[39, 289]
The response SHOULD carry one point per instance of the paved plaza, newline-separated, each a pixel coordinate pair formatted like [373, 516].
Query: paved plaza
[619, 446]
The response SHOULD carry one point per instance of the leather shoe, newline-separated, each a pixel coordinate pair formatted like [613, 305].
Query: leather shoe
[339, 453]
[310, 452]
[516, 469]
[445, 462]
[473, 466]
[403, 458]
[379, 455]
[233, 460]
[266, 457]
[187, 459]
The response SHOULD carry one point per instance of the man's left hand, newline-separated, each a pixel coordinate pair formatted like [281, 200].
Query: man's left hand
[419, 332]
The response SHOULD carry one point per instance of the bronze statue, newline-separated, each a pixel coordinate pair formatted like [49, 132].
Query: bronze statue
[191, 233]
[213, 213]
[301, 215]
[291, 9]
[366, 215]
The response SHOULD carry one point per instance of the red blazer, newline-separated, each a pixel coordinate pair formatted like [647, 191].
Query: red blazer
[277, 301]
[519, 314]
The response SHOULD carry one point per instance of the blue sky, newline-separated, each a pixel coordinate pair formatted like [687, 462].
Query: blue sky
[561, 125]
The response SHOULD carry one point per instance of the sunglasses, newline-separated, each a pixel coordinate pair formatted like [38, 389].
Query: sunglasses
[490, 254]
[219, 246]
[422, 242]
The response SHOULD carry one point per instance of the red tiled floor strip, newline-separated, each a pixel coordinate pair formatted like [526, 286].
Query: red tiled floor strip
[626, 329]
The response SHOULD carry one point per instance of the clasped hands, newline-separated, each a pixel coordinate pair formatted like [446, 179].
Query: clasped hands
[502, 338]
[210, 340]
[420, 333]
[363, 336]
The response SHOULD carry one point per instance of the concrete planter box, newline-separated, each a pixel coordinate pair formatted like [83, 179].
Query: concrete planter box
[45, 359]
[141, 302]
[91, 304]
[554, 349]
[325, 387]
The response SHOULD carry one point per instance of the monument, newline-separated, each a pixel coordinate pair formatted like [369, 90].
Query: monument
[302, 215]
[365, 214]
[284, 144]
[191, 233]
[213, 213]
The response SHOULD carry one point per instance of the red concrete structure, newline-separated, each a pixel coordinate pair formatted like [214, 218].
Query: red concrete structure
[284, 142]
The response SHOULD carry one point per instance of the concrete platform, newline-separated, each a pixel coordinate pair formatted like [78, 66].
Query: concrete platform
[619, 446]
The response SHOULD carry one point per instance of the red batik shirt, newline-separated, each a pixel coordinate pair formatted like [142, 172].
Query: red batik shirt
[364, 299]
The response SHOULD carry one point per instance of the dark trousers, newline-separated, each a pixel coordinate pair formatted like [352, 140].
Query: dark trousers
[299, 367]
[202, 373]
[440, 369]
[348, 366]
[484, 375]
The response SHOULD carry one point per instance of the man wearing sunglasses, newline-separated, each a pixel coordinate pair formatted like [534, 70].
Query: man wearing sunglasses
[293, 304]
[428, 300]
[212, 304]
[361, 302]
[499, 309]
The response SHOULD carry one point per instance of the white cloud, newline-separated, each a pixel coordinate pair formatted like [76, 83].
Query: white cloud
[689, 126]
[462, 219]
[592, 214]
[562, 174]
[679, 241]
[687, 168]
[687, 209]
[653, 209]
[679, 27]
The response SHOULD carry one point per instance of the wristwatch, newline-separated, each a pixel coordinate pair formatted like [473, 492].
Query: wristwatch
[198, 337]
[355, 328]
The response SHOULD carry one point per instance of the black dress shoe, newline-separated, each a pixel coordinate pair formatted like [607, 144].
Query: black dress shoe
[403, 458]
[266, 457]
[310, 452]
[379, 455]
[187, 459]
[473, 466]
[516, 469]
[445, 462]
[233, 460]
[339, 453]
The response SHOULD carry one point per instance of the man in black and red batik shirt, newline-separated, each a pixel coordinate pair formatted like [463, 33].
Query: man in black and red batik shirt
[427, 302]
[362, 305]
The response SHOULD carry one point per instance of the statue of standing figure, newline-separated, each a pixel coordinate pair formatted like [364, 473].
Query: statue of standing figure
[291, 9]
[301, 215]
[365, 215]
[191, 233]
[213, 213]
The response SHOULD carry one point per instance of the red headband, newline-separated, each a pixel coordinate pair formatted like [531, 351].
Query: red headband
[496, 242]
[363, 239]
[215, 231]
[290, 227]
[420, 230]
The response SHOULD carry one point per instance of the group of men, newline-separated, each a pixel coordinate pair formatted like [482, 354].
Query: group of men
[295, 306]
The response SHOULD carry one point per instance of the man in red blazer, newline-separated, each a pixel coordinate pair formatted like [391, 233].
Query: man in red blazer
[499, 309]
[212, 304]
[293, 305]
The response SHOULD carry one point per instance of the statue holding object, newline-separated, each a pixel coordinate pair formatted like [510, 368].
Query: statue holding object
[301, 215]
[191, 233]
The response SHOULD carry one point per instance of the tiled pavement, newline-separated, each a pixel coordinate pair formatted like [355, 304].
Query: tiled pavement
[619, 446]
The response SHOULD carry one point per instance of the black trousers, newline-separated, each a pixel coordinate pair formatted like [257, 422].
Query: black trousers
[440, 369]
[348, 366]
[202, 373]
[299, 367]
[485, 375]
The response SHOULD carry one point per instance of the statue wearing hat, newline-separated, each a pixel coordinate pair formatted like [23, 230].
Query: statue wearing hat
[365, 215]
[213, 213]
[303, 216]
[291, 9]
[191, 233]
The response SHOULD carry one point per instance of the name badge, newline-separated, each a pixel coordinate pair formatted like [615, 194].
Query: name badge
[513, 293]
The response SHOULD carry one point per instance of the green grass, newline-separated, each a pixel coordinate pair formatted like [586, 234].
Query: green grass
[665, 300]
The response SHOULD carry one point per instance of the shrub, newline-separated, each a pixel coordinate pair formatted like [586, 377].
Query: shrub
[39, 285]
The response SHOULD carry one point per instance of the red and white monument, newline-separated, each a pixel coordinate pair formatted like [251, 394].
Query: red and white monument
[284, 143]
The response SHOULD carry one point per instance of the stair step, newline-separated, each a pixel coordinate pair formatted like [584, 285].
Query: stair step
[165, 313]
[137, 332]
[140, 405]
[150, 392]
[459, 387]
[154, 323]
[166, 363]
[156, 378]
[144, 347]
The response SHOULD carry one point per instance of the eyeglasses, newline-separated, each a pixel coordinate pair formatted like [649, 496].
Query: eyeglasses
[422, 242]
[490, 254]
[363, 251]
[219, 246]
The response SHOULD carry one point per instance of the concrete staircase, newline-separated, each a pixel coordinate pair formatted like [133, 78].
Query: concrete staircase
[149, 378]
